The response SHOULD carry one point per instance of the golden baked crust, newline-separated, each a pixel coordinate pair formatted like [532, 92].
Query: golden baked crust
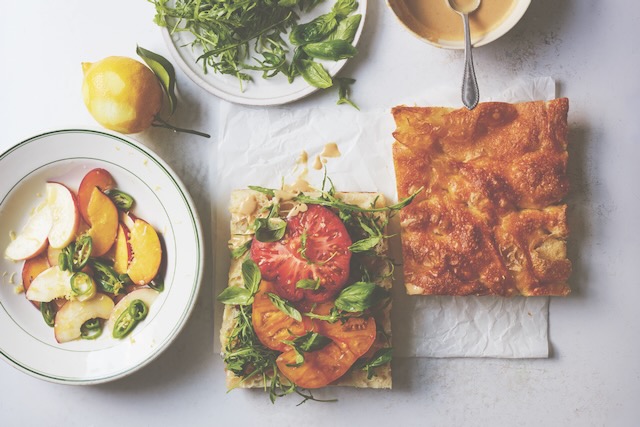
[489, 221]
[241, 220]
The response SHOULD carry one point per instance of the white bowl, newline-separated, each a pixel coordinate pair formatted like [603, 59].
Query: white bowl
[400, 11]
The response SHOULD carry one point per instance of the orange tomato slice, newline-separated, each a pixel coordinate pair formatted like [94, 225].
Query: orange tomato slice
[271, 325]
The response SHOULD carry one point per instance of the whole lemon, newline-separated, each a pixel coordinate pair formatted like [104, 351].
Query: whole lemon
[121, 93]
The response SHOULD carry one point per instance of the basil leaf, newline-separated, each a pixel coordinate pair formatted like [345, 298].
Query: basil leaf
[235, 295]
[241, 250]
[313, 284]
[164, 71]
[315, 30]
[332, 50]
[365, 244]
[268, 191]
[311, 341]
[251, 276]
[344, 7]
[347, 29]
[315, 74]
[270, 229]
[357, 297]
[344, 90]
[285, 307]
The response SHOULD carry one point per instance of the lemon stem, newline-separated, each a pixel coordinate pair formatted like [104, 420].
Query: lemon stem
[158, 122]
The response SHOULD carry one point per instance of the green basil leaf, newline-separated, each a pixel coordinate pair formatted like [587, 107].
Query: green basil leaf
[285, 306]
[251, 276]
[312, 284]
[311, 341]
[268, 191]
[344, 7]
[238, 252]
[357, 297]
[270, 229]
[164, 71]
[235, 295]
[365, 244]
[315, 74]
[347, 29]
[315, 30]
[380, 357]
[331, 50]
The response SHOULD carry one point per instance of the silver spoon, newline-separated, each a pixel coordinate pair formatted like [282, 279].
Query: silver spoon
[470, 92]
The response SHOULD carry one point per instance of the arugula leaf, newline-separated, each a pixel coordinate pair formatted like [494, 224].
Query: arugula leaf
[165, 73]
[365, 244]
[268, 191]
[285, 306]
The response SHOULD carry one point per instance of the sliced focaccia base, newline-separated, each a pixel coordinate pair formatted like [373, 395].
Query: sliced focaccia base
[245, 207]
[490, 220]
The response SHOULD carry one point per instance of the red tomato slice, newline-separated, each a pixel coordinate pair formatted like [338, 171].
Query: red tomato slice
[324, 255]
[271, 325]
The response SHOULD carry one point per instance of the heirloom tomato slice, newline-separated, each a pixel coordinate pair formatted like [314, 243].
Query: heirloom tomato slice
[315, 247]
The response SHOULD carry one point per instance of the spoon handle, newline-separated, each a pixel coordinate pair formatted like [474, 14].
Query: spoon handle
[470, 91]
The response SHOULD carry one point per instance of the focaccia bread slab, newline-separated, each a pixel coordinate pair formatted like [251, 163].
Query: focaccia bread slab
[244, 206]
[490, 220]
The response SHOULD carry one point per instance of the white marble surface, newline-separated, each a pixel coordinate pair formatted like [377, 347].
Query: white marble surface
[593, 375]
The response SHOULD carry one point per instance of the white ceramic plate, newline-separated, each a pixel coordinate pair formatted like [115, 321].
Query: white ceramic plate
[66, 156]
[259, 91]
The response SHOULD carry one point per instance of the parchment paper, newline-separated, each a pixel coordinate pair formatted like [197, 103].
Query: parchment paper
[260, 146]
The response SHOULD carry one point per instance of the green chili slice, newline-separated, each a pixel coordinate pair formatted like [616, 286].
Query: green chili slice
[65, 259]
[138, 310]
[83, 286]
[157, 285]
[106, 277]
[48, 310]
[122, 200]
[129, 318]
[81, 252]
[91, 329]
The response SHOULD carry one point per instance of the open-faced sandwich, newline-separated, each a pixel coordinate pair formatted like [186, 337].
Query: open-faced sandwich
[491, 219]
[308, 301]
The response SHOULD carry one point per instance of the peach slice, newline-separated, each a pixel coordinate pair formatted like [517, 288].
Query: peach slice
[122, 250]
[33, 238]
[147, 253]
[73, 314]
[98, 177]
[31, 269]
[53, 255]
[64, 212]
[50, 284]
[103, 217]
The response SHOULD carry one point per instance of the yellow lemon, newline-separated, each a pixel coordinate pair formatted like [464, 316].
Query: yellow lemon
[121, 93]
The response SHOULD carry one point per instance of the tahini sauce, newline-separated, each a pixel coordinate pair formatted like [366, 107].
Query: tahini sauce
[435, 20]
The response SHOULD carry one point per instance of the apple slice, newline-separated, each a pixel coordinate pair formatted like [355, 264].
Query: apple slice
[31, 269]
[64, 213]
[146, 295]
[73, 314]
[98, 177]
[32, 240]
[52, 283]
[103, 217]
[147, 253]
[122, 254]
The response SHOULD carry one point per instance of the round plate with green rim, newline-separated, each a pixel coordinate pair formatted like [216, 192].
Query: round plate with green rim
[161, 199]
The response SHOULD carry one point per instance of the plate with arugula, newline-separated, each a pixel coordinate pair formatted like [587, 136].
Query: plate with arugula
[258, 53]
[103, 256]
